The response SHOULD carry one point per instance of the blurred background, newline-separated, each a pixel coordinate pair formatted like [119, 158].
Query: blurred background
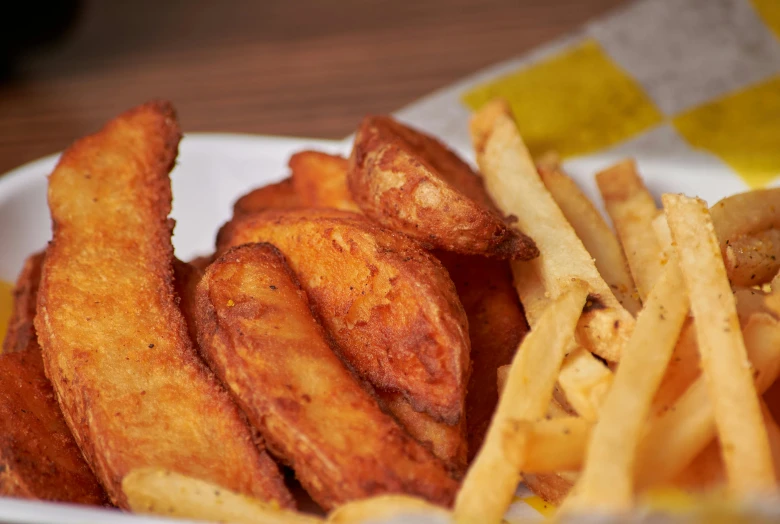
[306, 67]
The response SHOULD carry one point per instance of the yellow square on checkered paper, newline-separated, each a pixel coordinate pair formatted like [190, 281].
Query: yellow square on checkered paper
[575, 102]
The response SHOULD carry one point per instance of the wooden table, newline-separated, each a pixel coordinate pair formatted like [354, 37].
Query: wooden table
[306, 68]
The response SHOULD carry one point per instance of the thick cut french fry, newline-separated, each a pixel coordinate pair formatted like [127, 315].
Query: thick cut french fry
[632, 210]
[585, 382]
[487, 490]
[161, 492]
[606, 482]
[725, 366]
[547, 446]
[676, 436]
[595, 234]
[386, 507]
[513, 181]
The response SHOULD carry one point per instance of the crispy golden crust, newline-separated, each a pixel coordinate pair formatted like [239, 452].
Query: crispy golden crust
[201, 262]
[410, 182]
[186, 276]
[21, 331]
[446, 441]
[550, 487]
[390, 306]
[39, 458]
[280, 195]
[320, 180]
[115, 344]
[496, 327]
[258, 334]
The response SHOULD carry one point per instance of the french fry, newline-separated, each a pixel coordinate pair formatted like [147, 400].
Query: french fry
[705, 472]
[723, 354]
[385, 507]
[585, 382]
[162, 492]
[677, 435]
[513, 181]
[547, 446]
[595, 234]
[632, 210]
[606, 482]
[773, 432]
[682, 370]
[487, 489]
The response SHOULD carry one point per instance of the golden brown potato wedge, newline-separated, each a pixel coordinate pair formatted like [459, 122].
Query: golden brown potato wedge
[20, 334]
[409, 182]
[39, 458]
[186, 276]
[353, 272]
[496, 327]
[257, 332]
[320, 180]
[280, 195]
[131, 386]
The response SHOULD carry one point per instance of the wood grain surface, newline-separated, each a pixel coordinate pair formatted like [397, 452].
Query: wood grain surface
[306, 68]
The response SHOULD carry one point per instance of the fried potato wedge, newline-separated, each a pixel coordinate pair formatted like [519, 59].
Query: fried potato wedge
[115, 346]
[163, 492]
[496, 327]
[320, 180]
[409, 182]
[20, 333]
[186, 277]
[446, 441]
[257, 332]
[353, 271]
[39, 458]
[753, 259]
[280, 195]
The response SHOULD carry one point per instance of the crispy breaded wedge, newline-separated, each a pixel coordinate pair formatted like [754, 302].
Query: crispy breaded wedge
[320, 180]
[115, 345]
[409, 182]
[496, 327]
[389, 305]
[21, 331]
[258, 334]
[280, 195]
[38, 457]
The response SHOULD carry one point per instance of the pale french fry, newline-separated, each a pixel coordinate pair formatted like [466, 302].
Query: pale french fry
[513, 181]
[746, 213]
[663, 235]
[682, 370]
[723, 354]
[386, 507]
[753, 259]
[676, 436]
[487, 489]
[554, 410]
[596, 235]
[162, 492]
[632, 210]
[773, 432]
[607, 479]
[750, 301]
[585, 382]
[547, 446]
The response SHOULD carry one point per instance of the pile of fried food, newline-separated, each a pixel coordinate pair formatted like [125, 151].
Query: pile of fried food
[363, 327]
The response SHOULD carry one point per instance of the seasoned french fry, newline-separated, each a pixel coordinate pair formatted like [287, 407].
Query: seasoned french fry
[487, 489]
[162, 492]
[632, 210]
[723, 354]
[682, 370]
[663, 235]
[547, 446]
[512, 180]
[385, 507]
[676, 436]
[595, 234]
[705, 472]
[606, 482]
[585, 381]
